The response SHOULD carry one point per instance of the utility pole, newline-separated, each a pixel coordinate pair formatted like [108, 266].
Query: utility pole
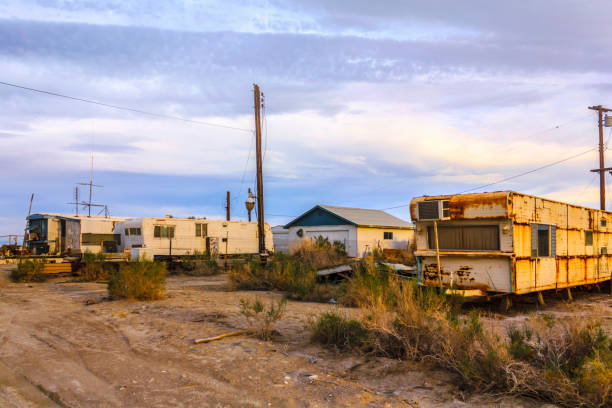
[602, 167]
[260, 194]
[227, 206]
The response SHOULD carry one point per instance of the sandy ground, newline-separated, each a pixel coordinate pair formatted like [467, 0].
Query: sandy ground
[62, 345]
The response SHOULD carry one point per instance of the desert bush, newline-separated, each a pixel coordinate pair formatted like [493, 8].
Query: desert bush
[320, 253]
[260, 317]
[94, 267]
[29, 270]
[566, 362]
[333, 328]
[298, 279]
[199, 264]
[141, 280]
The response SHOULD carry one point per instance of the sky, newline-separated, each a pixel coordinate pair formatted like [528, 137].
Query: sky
[367, 104]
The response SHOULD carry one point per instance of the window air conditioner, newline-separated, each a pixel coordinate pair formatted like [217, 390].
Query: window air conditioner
[433, 210]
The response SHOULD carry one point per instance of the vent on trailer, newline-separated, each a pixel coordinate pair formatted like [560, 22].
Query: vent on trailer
[433, 210]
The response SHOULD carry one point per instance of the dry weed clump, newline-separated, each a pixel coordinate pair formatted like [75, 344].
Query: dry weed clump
[94, 267]
[566, 362]
[287, 273]
[262, 318]
[141, 280]
[199, 264]
[320, 253]
[333, 328]
[29, 270]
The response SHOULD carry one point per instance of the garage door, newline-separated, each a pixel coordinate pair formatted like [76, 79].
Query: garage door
[332, 236]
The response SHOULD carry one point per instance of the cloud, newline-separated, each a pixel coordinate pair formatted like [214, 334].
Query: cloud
[367, 104]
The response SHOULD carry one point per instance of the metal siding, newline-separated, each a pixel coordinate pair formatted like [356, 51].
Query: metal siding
[571, 263]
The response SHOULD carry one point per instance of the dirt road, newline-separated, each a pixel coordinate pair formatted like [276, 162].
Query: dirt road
[62, 345]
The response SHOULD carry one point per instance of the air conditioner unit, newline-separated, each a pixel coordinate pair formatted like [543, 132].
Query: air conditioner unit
[433, 210]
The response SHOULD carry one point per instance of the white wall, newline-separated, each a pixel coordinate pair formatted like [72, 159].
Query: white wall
[370, 238]
[281, 239]
[241, 237]
[330, 231]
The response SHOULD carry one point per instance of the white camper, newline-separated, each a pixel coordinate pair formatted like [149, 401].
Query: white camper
[148, 238]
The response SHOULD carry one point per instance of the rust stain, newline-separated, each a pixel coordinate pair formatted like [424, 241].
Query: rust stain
[459, 204]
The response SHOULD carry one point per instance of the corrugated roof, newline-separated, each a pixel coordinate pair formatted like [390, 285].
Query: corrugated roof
[365, 217]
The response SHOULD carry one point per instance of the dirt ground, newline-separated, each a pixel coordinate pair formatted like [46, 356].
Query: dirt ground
[62, 344]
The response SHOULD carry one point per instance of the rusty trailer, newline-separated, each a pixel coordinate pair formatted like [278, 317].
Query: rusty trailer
[509, 243]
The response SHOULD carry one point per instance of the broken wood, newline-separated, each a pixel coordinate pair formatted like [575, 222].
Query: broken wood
[221, 336]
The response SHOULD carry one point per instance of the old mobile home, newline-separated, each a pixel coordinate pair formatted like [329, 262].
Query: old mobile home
[60, 234]
[149, 238]
[507, 242]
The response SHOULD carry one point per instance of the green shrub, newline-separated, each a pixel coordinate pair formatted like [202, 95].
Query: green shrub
[567, 362]
[94, 267]
[29, 270]
[285, 273]
[141, 280]
[199, 264]
[332, 328]
[260, 317]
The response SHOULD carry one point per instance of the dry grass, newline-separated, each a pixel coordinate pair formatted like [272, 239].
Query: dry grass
[566, 362]
[29, 270]
[262, 318]
[294, 274]
[320, 253]
[142, 280]
[199, 264]
[94, 267]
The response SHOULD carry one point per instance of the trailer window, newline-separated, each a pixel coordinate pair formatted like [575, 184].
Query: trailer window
[134, 231]
[465, 238]
[201, 230]
[162, 231]
[387, 235]
[588, 238]
[543, 240]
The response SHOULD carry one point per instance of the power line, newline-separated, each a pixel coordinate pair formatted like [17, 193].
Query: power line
[125, 108]
[512, 177]
[522, 139]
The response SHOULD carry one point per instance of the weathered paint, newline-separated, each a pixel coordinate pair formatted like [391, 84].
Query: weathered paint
[574, 263]
[232, 237]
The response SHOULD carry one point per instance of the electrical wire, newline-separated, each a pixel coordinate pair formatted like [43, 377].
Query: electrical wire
[511, 177]
[525, 138]
[125, 108]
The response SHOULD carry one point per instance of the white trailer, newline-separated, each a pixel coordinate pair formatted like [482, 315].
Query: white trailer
[148, 238]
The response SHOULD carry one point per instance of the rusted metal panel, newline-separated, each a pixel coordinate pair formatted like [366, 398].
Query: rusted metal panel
[488, 274]
[546, 273]
[470, 206]
[578, 249]
[522, 240]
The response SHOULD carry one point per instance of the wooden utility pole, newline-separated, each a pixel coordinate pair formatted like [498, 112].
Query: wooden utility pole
[227, 207]
[602, 167]
[260, 193]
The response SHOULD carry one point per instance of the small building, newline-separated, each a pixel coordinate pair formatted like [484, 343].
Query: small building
[281, 239]
[360, 230]
[507, 242]
[152, 237]
[61, 234]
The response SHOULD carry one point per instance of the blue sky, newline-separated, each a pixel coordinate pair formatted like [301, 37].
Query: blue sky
[368, 104]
